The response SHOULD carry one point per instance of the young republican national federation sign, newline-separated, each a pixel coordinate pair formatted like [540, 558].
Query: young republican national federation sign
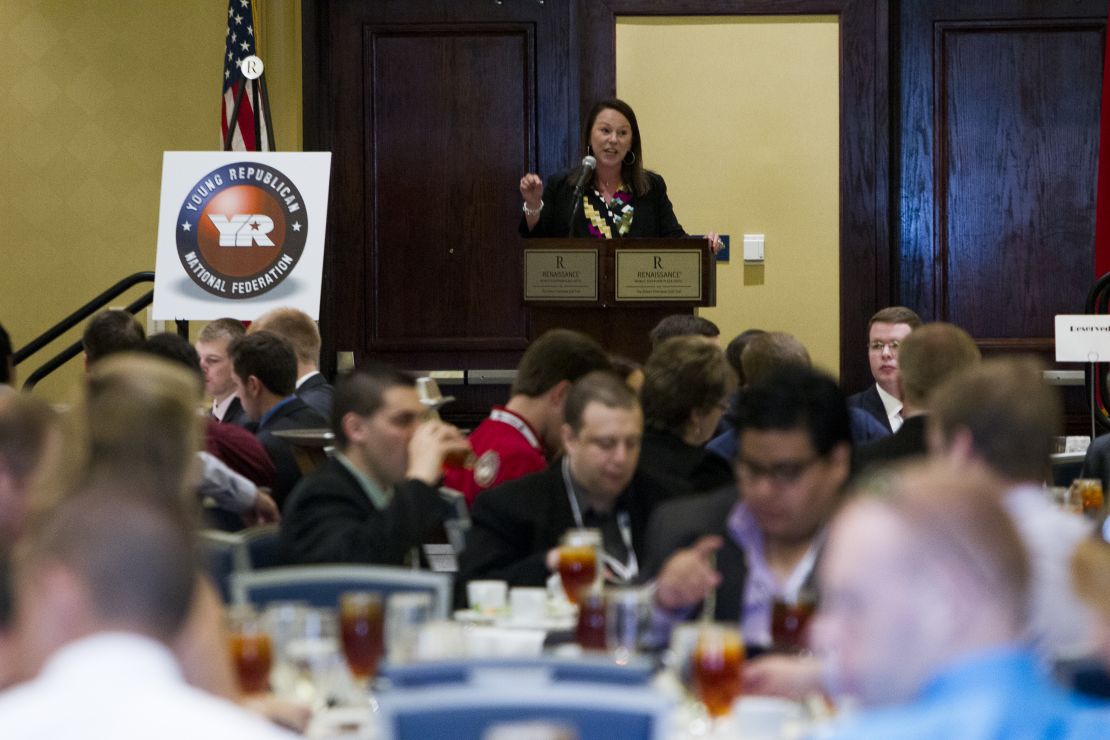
[240, 233]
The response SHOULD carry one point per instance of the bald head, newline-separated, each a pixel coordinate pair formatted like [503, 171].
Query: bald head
[916, 575]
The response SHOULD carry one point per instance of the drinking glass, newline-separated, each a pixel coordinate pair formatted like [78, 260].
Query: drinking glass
[627, 619]
[590, 632]
[789, 620]
[361, 633]
[406, 614]
[309, 666]
[717, 664]
[578, 556]
[1087, 492]
[251, 653]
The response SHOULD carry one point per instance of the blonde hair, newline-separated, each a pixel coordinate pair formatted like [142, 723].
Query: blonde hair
[141, 419]
[296, 327]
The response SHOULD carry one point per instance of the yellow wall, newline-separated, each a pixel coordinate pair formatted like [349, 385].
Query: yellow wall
[741, 116]
[92, 94]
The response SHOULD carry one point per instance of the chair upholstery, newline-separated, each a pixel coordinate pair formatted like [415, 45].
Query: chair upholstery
[218, 553]
[586, 669]
[321, 585]
[261, 547]
[468, 711]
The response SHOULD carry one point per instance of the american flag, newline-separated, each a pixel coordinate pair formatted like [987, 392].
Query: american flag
[241, 40]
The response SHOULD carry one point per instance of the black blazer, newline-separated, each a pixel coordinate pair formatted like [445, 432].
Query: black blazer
[317, 393]
[235, 414]
[515, 524]
[908, 441]
[680, 523]
[869, 401]
[330, 519]
[293, 415]
[652, 215]
[683, 469]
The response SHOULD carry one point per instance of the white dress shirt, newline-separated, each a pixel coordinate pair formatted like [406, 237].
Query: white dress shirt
[122, 686]
[1061, 626]
[892, 405]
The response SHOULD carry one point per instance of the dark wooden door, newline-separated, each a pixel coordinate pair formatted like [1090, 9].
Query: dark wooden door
[998, 148]
[433, 109]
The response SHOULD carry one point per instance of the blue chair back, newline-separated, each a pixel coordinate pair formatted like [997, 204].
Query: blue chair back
[321, 585]
[262, 548]
[587, 669]
[468, 711]
[218, 552]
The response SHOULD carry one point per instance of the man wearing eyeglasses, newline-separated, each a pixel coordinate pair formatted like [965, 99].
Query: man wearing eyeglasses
[739, 555]
[883, 400]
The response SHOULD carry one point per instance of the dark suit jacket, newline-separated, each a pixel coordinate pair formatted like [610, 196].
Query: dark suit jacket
[317, 393]
[235, 414]
[680, 523]
[652, 215]
[330, 519]
[293, 415]
[908, 441]
[869, 401]
[683, 469]
[1096, 464]
[515, 524]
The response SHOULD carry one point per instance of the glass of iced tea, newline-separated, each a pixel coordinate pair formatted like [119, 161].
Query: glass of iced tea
[1087, 493]
[789, 620]
[251, 651]
[362, 633]
[578, 561]
[717, 663]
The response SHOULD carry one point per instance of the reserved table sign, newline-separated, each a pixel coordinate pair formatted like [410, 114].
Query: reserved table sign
[1082, 338]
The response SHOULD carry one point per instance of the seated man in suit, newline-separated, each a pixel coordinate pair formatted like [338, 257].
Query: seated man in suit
[523, 435]
[376, 499]
[883, 400]
[298, 328]
[927, 358]
[517, 526]
[265, 371]
[793, 458]
[215, 361]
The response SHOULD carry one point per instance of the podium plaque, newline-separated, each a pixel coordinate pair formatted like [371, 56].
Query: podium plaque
[605, 295]
[561, 275]
[658, 275]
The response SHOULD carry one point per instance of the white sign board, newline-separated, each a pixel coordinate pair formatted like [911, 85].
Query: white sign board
[1082, 338]
[240, 233]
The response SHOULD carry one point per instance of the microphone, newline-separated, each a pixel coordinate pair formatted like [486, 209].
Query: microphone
[589, 164]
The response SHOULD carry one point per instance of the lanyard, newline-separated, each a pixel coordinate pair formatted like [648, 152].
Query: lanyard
[508, 417]
[622, 572]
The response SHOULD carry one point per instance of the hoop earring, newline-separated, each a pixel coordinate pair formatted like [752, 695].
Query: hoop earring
[625, 160]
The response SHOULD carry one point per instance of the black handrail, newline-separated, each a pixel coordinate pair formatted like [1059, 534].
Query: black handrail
[79, 316]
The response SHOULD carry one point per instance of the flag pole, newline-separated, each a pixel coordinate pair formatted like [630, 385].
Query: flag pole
[234, 124]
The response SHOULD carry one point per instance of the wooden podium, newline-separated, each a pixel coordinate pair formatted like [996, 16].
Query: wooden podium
[615, 290]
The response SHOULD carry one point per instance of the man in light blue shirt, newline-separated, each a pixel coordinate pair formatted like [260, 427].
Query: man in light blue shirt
[924, 613]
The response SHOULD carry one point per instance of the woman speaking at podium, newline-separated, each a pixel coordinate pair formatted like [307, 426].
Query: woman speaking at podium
[610, 195]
